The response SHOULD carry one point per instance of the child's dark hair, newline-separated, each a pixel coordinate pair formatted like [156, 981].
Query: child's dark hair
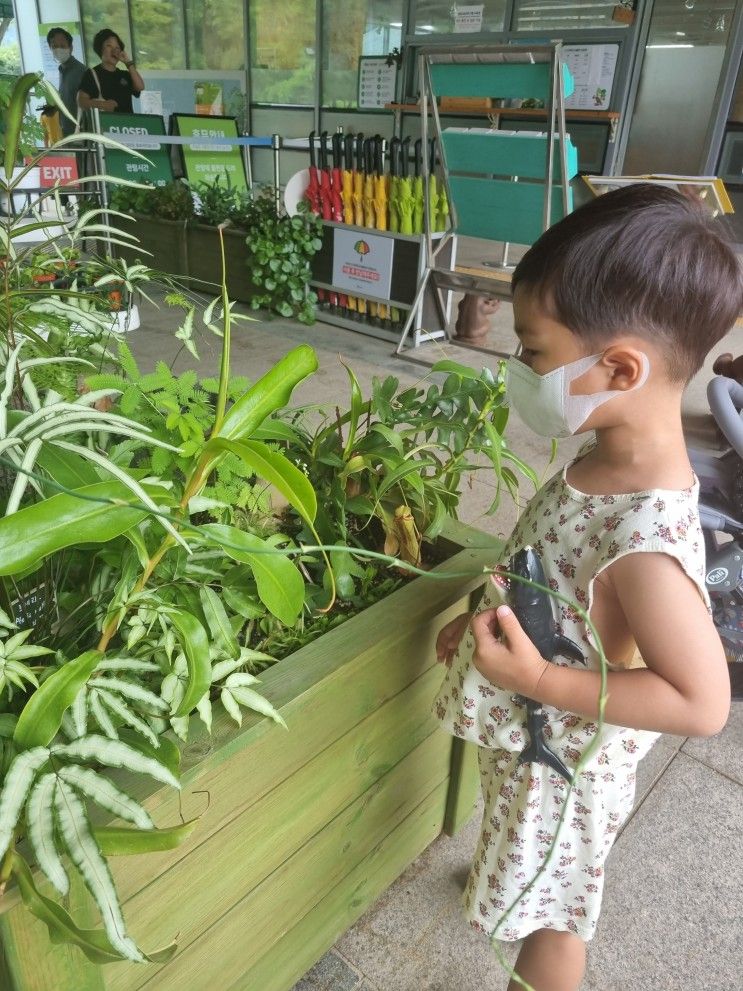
[62, 31]
[102, 37]
[644, 260]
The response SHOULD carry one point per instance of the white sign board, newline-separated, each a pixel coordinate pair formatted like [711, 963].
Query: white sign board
[468, 18]
[376, 82]
[151, 102]
[362, 263]
[592, 67]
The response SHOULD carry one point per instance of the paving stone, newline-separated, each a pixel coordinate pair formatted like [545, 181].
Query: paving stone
[723, 752]
[330, 973]
[672, 908]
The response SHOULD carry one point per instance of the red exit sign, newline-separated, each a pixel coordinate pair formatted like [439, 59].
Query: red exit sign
[59, 169]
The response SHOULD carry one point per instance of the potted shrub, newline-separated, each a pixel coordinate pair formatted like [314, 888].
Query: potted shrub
[147, 589]
[219, 205]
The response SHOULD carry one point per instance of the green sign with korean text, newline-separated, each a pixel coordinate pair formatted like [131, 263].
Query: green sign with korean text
[204, 161]
[140, 131]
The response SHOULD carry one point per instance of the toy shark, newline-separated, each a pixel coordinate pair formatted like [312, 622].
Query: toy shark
[533, 609]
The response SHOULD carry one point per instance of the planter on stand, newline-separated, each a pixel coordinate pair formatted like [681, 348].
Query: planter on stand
[299, 831]
[165, 240]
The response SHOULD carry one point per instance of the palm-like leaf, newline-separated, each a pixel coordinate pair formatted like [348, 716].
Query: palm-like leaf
[40, 818]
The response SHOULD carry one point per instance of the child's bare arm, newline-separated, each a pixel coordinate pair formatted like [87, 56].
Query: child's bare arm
[685, 688]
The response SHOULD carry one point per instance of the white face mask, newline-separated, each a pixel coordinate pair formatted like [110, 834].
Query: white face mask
[544, 402]
[61, 55]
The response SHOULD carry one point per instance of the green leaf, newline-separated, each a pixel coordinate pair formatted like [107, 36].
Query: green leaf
[357, 404]
[115, 753]
[218, 621]
[280, 584]
[117, 841]
[276, 469]
[195, 644]
[14, 116]
[41, 717]
[75, 829]
[104, 793]
[40, 821]
[269, 393]
[64, 520]
[168, 753]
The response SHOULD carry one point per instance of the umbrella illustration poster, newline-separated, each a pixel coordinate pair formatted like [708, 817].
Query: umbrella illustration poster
[362, 265]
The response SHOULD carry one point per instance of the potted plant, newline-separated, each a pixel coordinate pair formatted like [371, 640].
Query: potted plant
[30, 136]
[218, 204]
[148, 587]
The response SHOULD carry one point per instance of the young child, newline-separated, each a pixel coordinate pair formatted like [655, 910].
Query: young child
[615, 308]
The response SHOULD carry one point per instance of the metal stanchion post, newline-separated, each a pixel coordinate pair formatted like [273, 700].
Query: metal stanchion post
[100, 160]
[276, 148]
[248, 166]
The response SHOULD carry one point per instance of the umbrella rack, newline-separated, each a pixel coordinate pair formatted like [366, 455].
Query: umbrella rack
[501, 186]
[374, 246]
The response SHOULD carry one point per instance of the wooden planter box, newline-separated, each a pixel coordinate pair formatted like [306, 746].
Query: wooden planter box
[205, 262]
[300, 831]
[165, 240]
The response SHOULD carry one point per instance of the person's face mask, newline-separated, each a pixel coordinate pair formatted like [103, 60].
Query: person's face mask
[61, 55]
[544, 402]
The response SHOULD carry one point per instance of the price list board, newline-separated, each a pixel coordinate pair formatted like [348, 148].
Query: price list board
[376, 82]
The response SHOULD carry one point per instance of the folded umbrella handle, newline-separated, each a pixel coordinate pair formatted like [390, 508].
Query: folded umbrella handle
[324, 150]
[348, 143]
[369, 156]
[405, 157]
[395, 145]
[418, 156]
[379, 154]
[313, 158]
[360, 151]
[337, 151]
[431, 156]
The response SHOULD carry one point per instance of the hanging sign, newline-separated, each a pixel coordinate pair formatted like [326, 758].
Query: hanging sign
[57, 169]
[467, 18]
[376, 82]
[362, 263]
[203, 160]
[146, 128]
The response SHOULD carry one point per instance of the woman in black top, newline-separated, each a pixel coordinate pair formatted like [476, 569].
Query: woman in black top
[105, 87]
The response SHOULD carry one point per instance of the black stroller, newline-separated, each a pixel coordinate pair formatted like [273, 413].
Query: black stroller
[721, 514]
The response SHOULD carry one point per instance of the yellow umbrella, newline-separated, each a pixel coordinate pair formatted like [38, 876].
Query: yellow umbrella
[381, 200]
[347, 177]
[357, 197]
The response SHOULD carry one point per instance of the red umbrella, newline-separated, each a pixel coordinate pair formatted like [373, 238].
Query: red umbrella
[326, 180]
[312, 193]
[336, 199]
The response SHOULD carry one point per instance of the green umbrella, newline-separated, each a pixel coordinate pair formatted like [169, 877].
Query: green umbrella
[395, 145]
[405, 194]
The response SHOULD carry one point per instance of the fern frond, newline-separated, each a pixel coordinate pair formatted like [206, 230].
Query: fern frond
[40, 819]
[119, 708]
[101, 716]
[18, 781]
[74, 826]
[114, 753]
[105, 794]
[131, 690]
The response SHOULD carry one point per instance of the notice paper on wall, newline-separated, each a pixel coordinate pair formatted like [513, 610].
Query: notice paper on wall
[592, 67]
[376, 82]
[467, 17]
[151, 102]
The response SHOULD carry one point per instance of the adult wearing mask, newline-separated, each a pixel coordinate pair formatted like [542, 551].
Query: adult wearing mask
[106, 87]
[71, 72]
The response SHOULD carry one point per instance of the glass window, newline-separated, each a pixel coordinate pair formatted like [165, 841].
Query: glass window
[352, 28]
[680, 74]
[10, 52]
[440, 16]
[159, 41]
[282, 57]
[569, 15]
[216, 34]
[97, 14]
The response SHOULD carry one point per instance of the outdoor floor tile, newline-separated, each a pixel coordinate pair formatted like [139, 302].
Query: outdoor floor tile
[330, 973]
[672, 914]
[723, 752]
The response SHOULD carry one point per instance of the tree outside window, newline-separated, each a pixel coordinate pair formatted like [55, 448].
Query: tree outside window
[282, 56]
[352, 28]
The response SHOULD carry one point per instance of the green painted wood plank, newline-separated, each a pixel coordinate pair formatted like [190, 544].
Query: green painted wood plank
[464, 786]
[498, 80]
[303, 945]
[34, 963]
[251, 927]
[499, 153]
[286, 819]
[500, 210]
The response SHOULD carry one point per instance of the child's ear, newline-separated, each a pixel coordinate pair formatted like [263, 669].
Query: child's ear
[627, 367]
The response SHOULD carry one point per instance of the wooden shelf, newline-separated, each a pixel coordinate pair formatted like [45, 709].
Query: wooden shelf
[525, 114]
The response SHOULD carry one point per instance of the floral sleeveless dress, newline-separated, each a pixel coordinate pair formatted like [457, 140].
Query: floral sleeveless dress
[576, 536]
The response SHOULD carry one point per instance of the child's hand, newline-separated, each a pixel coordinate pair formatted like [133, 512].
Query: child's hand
[449, 638]
[512, 663]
